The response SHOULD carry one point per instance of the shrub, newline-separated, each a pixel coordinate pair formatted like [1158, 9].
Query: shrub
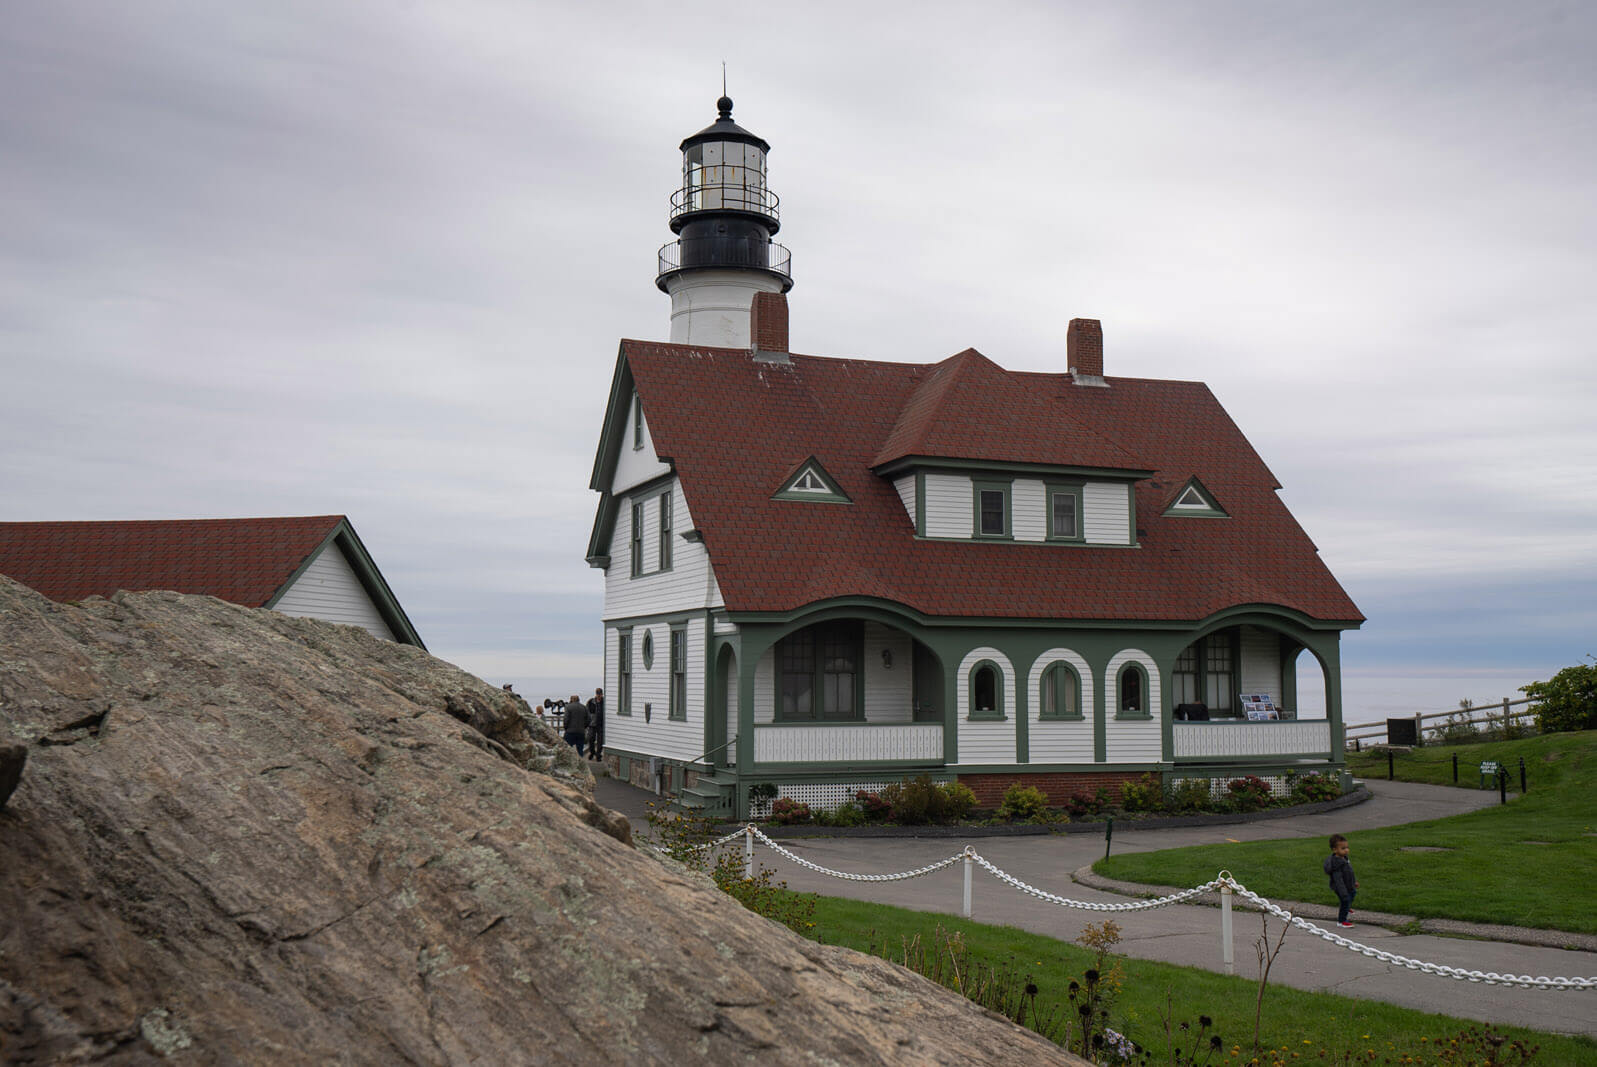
[916, 801]
[1569, 701]
[789, 812]
[1312, 788]
[1081, 805]
[1143, 793]
[1191, 794]
[1249, 793]
[875, 808]
[1459, 727]
[849, 813]
[958, 800]
[1023, 803]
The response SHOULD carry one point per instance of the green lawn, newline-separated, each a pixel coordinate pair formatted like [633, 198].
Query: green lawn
[1532, 862]
[1296, 1025]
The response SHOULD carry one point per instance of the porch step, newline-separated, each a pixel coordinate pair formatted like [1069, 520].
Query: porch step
[710, 795]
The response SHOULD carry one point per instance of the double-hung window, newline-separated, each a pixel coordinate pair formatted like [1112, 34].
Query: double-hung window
[678, 708]
[1064, 513]
[637, 538]
[624, 671]
[665, 530]
[991, 500]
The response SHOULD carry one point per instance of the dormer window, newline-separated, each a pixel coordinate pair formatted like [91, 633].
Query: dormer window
[1064, 513]
[809, 481]
[1195, 500]
[992, 509]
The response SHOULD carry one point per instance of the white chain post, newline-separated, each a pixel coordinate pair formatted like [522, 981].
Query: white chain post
[748, 852]
[1227, 947]
[970, 866]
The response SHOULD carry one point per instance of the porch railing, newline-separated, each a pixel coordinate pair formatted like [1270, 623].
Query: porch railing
[848, 742]
[1219, 740]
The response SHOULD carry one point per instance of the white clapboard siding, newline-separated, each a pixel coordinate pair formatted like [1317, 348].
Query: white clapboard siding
[1060, 741]
[765, 687]
[634, 466]
[948, 505]
[1106, 518]
[689, 584]
[659, 735]
[1132, 740]
[1028, 510]
[1222, 740]
[1261, 665]
[328, 589]
[889, 691]
[906, 493]
[985, 742]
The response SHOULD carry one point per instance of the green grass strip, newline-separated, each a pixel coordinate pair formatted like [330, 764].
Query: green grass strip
[1531, 862]
[1296, 1026]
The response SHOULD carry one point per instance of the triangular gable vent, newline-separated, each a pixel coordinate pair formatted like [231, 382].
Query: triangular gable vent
[809, 481]
[1195, 500]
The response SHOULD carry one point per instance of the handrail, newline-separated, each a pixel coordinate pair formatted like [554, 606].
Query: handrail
[717, 748]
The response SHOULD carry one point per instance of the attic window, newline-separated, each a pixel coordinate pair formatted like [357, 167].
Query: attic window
[1195, 501]
[810, 482]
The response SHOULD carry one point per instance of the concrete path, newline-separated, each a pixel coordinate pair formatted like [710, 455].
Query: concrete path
[1190, 934]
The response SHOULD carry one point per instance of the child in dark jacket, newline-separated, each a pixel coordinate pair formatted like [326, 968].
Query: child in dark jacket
[1343, 884]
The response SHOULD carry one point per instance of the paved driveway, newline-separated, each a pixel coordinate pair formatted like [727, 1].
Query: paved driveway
[1190, 934]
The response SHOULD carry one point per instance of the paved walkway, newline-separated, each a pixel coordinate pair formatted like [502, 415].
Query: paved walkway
[1190, 934]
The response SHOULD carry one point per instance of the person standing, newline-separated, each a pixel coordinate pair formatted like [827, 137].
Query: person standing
[1340, 870]
[596, 725]
[576, 723]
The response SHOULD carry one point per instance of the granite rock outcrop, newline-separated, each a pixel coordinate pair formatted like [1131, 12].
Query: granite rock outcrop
[243, 837]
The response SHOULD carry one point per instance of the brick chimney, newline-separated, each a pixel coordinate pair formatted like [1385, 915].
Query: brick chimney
[1084, 351]
[768, 327]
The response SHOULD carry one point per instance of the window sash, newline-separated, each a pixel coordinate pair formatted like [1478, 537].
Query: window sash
[665, 530]
[637, 538]
[1059, 693]
[624, 673]
[992, 512]
[678, 708]
[819, 673]
[1064, 515]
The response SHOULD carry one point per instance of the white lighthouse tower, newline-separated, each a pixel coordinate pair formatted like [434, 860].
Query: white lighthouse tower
[724, 217]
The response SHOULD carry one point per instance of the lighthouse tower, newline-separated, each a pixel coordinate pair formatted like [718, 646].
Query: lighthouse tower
[724, 217]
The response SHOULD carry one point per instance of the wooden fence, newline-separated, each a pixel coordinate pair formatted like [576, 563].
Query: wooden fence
[1486, 716]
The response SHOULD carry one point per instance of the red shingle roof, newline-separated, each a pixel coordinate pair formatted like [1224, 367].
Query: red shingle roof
[733, 427]
[245, 561]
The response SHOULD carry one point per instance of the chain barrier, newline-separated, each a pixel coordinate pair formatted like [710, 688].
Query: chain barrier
[1522, 981]
[1224, 880]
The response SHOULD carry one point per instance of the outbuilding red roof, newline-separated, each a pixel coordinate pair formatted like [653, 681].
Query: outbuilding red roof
[245, 561]
[733, 427]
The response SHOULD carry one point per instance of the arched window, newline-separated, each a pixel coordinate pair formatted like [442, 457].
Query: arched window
[986, 691]
[1061, 693]
[1132, 693]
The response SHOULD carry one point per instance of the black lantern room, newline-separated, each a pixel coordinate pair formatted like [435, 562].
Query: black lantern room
[724, 214]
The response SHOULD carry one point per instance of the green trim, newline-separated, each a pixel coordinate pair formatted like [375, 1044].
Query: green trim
[1210, 507]
[822, 775]
[996, 715]
[1054, 768]
[371, 580]
[648, 650]
[1144, 713]
[1075, 491]
[635, 540]
[920, 503]
[1042, 681]
[832, 494]
[1001, 467]
[1100, 721]
[1005, 488]
[637, 421]
[1273, 614]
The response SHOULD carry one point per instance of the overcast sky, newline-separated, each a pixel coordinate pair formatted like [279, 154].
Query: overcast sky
[374, 259]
